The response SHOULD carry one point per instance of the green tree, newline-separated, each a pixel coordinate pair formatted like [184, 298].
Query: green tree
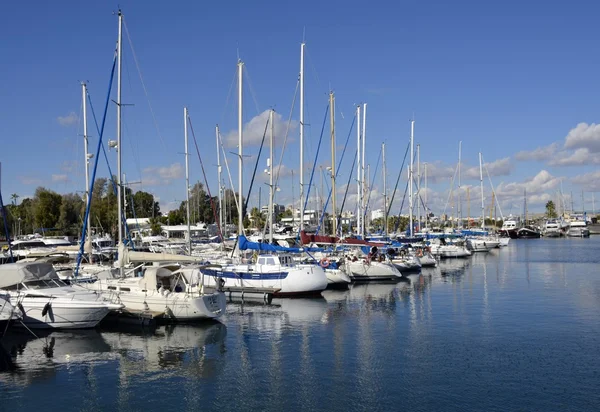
[550, 209]
[46, 208]
[72, 210]
[144, 205]
[155, 226]
[257, 218]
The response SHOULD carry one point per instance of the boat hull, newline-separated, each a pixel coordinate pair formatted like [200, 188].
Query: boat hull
[61, 315]
[362, 271]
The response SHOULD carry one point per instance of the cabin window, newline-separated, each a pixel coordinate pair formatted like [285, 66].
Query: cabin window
[261, 261]
[125, 289]
[270, 261]
[112, 288]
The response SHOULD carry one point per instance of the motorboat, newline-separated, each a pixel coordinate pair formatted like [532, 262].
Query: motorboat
[36, 244]
[578, 228]
[552, 228]
[443, 249]
[481, 244]
[528, 232]
[47, 302]
[160, 292]
[509, 228]
[374, 268]
[503, 241]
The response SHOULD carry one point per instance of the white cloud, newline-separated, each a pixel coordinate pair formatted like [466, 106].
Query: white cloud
[157, 176]
[60, 178]
[540, 183]
[579, 157]
[500, 167]
[584, 136]
[68, 120]
[540, 154]
[254, 130]
[590, 182]
[29, 180]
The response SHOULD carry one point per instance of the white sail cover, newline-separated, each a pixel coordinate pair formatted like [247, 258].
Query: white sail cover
[15, 273]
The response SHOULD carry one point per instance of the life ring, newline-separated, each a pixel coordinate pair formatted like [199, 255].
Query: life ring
[324, 263]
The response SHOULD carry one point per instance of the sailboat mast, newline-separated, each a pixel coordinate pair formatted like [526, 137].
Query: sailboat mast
[419, 186]
[87, 169]
[385, 214]
[425, 198]
[302, 135]
[410, 178]
[332, 125]
[458, 207]
[481, 184]
[119, 146]
[240, 151]
[358, 173]
[188, 238]
[219, 171]
[363, 180]
[271, 188]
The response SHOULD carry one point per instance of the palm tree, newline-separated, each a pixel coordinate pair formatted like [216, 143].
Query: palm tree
[14, 198]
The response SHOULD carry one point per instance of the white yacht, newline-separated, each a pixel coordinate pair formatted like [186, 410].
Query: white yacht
[36, 244]
[445, 250]
[276, 274]
[481, 244]
[365, 269]
[47, 302]
[578, 228]
[552, 228]
[162, 293]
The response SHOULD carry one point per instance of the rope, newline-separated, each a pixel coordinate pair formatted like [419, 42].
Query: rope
[89, 199]
[143, 85]
[262, 143]
[339, 217]
[337, 172]
[372, 183]
[212, 203]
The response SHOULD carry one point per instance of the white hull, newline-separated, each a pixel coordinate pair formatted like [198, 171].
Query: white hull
[449, 251]
[362, 271]
[428, 260]
[296, 280]
[503, 241]
[62, 313]
[480, 245]
[578, 232]
[337, 277]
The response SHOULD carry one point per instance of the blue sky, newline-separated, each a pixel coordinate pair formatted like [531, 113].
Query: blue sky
[517, 81]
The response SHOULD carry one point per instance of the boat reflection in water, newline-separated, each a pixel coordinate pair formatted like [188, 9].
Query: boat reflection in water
[192, 350]
[33, 359]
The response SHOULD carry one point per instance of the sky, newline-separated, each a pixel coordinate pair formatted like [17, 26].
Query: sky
[516, 81]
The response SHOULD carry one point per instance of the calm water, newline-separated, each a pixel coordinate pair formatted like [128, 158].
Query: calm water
[515, 329]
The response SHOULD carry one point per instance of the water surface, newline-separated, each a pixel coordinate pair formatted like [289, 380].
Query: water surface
[513, 329]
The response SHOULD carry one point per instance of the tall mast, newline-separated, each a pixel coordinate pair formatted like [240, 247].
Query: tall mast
[458, 208]
[419, 186]
[385, 215]
[87, 240]
[410, 177]
[187, 181]
[119, 146]
[363, 180]
[425, 198]
[481, 184]
[333, 205]
[219, 171]
[302, 135]
[240, 151]
[358, 174]
[271, 188]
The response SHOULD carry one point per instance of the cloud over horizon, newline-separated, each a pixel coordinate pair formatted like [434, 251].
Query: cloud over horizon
[68, 120]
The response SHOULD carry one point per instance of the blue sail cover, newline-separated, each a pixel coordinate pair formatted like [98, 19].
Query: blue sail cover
[245, 244]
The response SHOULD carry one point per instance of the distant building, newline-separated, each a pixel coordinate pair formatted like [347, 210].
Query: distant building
[377, 214]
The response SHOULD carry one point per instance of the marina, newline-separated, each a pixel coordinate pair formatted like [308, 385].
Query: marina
[511, 329]
[348, 248]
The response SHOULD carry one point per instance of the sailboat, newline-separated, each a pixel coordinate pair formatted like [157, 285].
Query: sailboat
[154, 291]
[275, 273]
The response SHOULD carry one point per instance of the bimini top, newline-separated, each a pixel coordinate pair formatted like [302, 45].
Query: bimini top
[15, 273]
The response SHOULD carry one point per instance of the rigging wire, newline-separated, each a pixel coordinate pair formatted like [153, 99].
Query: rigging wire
[212, 202]
[143, 85]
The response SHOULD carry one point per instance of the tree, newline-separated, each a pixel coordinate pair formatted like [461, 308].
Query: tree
[71, 214]
[550, 209]
[14, 198]
[257, 218]
[155, 226]
[46, 208]
[144, 205]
